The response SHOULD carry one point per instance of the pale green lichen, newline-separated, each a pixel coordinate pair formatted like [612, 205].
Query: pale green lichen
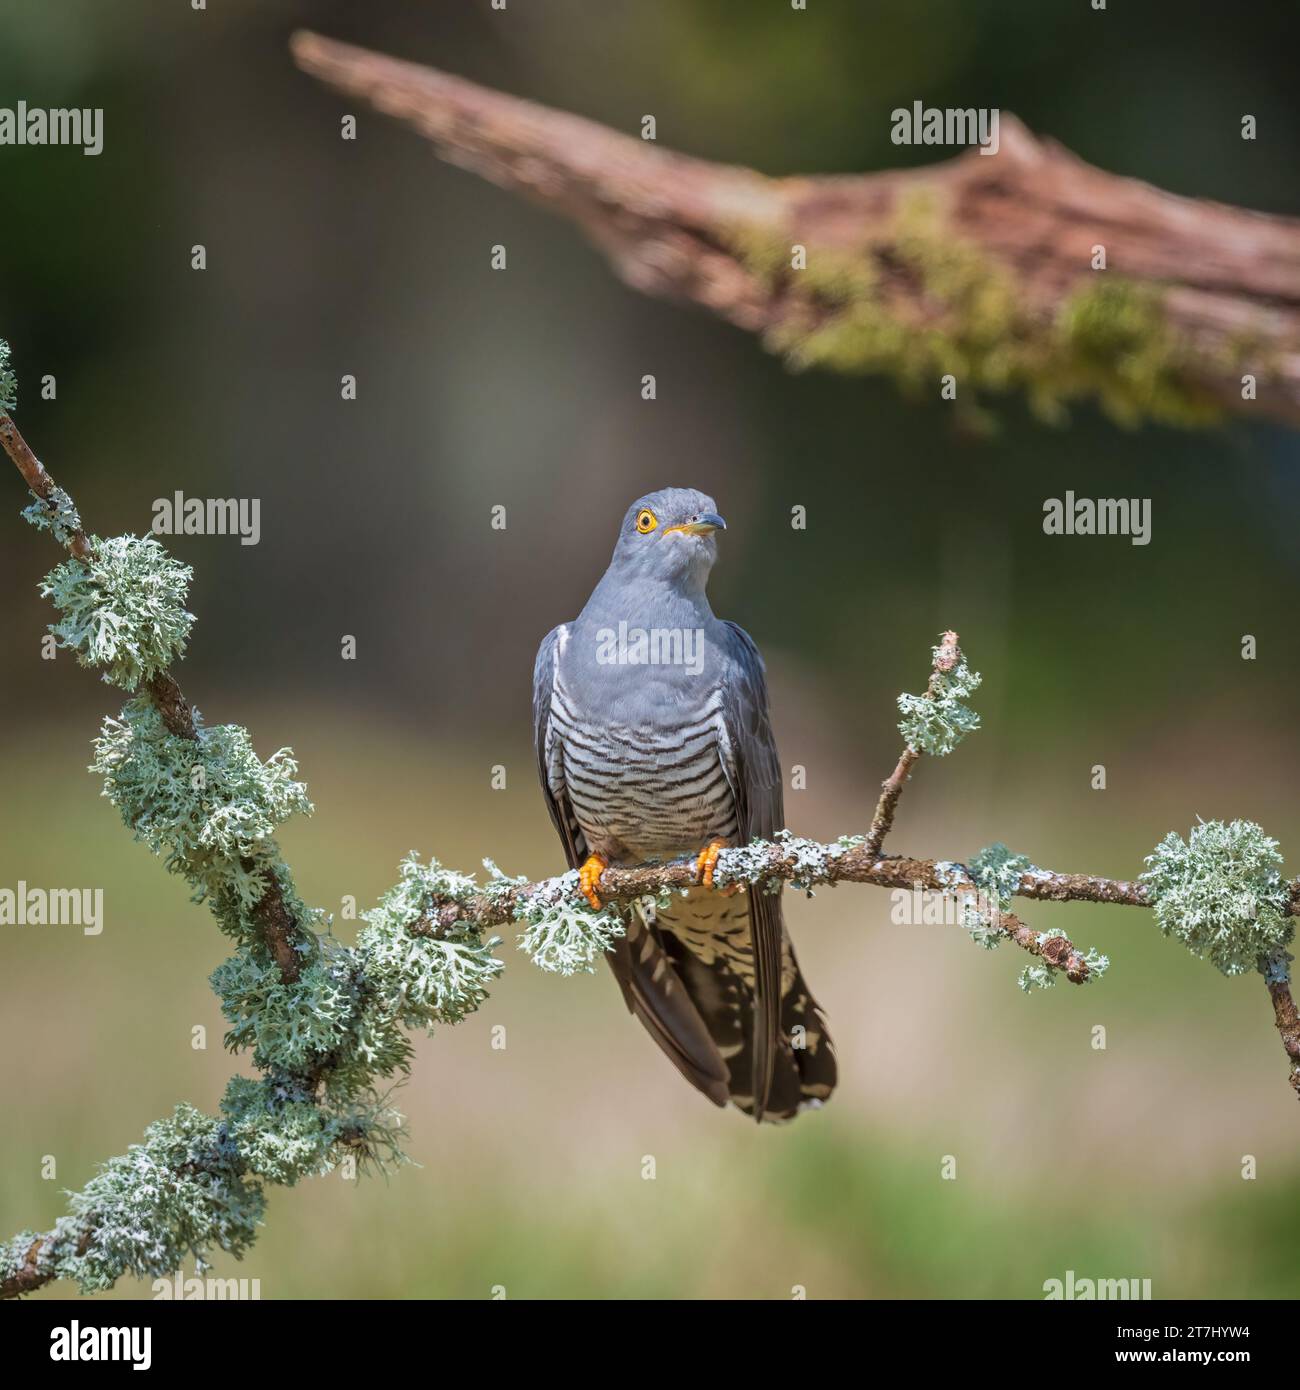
[1043, 976]
[421, 888]
[995, 871]
[936, 721]
[814, 863]
[1221, 893]
[123, 608]
[8, 382]
[13, 1253]
[1097, 964]
[377, 1046]
[179, 1194]
[424, 979]
[563, 936]
[751, 865]
[284, 1135]
[281, 1137]
[979, 920]
[56, 514]
[209, 803]
[1036, 977]
[286, 1023]
[1276, 966]
[998, 871]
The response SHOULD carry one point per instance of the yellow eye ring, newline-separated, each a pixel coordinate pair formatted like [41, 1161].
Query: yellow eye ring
[646, 521]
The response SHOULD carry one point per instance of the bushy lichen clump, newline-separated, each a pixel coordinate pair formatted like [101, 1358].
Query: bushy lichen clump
[210, 804]
[426, 978]
[562, 935]
[287, 1024]
[1221, 893]
[284, 1135]
[195, 1183]
[1044, 976]
[176, 1195]
[998, 871]
[123, 608]
[280, 1131]
[325, 1039]
[936, 722]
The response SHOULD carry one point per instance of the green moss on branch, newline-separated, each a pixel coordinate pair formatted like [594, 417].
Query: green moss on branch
[917, 304]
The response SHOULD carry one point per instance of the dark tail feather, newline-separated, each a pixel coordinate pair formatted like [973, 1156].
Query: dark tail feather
[803, 1073]
[654, 993]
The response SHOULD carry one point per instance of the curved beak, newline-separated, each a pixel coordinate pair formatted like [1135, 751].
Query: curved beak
[702, 525]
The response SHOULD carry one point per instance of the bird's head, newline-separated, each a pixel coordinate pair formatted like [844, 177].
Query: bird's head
[669, 535]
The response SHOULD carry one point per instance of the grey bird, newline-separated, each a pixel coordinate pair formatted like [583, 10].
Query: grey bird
[653, 742]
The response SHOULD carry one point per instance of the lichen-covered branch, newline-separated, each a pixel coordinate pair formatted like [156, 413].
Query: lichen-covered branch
[981, 267]
[787, 859]
[326, 1024]
[804, 864]
[122, 606]
[936, 721]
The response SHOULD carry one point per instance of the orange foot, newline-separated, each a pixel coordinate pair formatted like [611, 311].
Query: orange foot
[707, 862]
[589, 878]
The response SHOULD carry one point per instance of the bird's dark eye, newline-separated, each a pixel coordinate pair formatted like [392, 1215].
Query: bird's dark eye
[646, 521]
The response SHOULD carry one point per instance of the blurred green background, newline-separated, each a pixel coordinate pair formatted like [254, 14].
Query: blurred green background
[522, 389]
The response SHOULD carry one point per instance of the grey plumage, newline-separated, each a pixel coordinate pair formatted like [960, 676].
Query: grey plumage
[653, 739]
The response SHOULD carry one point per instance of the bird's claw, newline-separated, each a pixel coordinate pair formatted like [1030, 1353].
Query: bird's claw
[707, 862]
[589, 878]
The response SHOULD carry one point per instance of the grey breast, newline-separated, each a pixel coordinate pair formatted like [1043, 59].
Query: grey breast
[650, 788]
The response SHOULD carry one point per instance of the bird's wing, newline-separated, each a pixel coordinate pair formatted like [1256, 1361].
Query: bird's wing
[651, 989]
[550, 761]
[753, 772]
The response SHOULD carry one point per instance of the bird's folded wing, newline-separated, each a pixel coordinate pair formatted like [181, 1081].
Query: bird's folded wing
[655, 994]
[749, 759]
[550, 767]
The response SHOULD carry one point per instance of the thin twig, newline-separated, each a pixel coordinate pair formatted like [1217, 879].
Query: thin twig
[34, 475]
[947, 657]
[890, 791]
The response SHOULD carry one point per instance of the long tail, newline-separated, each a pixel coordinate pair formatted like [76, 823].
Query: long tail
[688, 976]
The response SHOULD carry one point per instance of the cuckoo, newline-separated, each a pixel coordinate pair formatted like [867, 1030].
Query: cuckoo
[654, 742]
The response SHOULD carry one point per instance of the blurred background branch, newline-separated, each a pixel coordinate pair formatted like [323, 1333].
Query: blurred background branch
[984, 267]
